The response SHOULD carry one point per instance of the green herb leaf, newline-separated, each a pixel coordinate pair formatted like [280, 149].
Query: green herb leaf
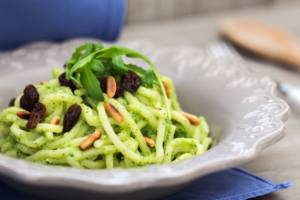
[78, 59]
[123, 51]
[114, 51]
[85, 63]
[118, 65]
[76, 79]
[149, 78]
[97, 67]
[83, 51]
[92, 102]
[138, 70]
[78, 65]
[98, 46]
[91, 84]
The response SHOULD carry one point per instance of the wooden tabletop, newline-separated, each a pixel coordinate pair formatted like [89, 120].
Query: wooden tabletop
[281, 161]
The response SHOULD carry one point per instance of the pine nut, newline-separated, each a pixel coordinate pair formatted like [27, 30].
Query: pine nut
[23, 114]
[88, 142]
[193, 119]
[113, 112]
[55, 120]
[167, 88]
[150, 142]
[111, 86]
[43, 82]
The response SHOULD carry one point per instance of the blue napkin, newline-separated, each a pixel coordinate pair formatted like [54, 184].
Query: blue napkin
[31, 20]
[232, 184]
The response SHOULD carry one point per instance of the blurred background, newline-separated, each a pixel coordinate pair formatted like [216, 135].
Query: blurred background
[140, 11]
[198, 21]
[170, 22]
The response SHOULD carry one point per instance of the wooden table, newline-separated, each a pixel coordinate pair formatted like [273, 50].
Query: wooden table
[281, 161]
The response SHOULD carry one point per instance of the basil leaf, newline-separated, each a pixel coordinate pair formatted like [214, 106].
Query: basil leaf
[76, 79]
[78, 65]
[97, 67]
[149, 78]
[114, 51]
[123, 51]
[81, 57]
[118, 65]
[98, 46]
[138, 70]
[91, 83]
[86, 62]
[91, 102]
[83, 51]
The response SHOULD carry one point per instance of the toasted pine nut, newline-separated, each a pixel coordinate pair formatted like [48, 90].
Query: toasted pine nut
[113, 112]
[111, 86]
[23, 114]
[150, 142]
[167, 88]
[55, 120]
[192, 118]
[43, 82]
[90, 140]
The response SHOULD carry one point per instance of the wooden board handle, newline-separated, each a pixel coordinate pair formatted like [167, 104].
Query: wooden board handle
[264, 40]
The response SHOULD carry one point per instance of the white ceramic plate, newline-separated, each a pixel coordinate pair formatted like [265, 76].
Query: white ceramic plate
[244, 114]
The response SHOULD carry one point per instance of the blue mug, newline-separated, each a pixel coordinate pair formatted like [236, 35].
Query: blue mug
[31, 20]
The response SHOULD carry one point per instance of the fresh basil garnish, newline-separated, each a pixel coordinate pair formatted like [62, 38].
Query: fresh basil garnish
[92, 62]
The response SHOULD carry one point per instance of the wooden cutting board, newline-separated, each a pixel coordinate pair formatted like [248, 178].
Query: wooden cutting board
[264, 40]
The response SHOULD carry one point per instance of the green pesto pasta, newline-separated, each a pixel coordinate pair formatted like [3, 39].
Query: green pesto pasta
[153, 129]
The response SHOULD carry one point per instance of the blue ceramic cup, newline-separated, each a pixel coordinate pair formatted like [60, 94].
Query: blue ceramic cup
[56, 20]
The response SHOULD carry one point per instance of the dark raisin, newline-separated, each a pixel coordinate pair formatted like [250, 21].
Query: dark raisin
[120, 91]
[103, 84]
[71, 117]
[64, 82]
[12, 102]
[130, 81]
[24, 103]
[31, 94]
[36, 115]
[29, 98]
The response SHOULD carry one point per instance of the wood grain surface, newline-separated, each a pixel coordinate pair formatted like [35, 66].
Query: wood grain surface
[152, 10]
[281, 161]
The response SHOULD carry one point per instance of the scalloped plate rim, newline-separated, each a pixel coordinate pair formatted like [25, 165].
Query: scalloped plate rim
[137, 184]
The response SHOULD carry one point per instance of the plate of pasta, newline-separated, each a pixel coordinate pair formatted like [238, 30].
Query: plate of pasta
[107, 120]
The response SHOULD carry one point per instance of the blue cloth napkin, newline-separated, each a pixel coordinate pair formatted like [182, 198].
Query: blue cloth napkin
[31, 20]
[232, 184]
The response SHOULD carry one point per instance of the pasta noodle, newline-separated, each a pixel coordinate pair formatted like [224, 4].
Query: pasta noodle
[122, 144]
